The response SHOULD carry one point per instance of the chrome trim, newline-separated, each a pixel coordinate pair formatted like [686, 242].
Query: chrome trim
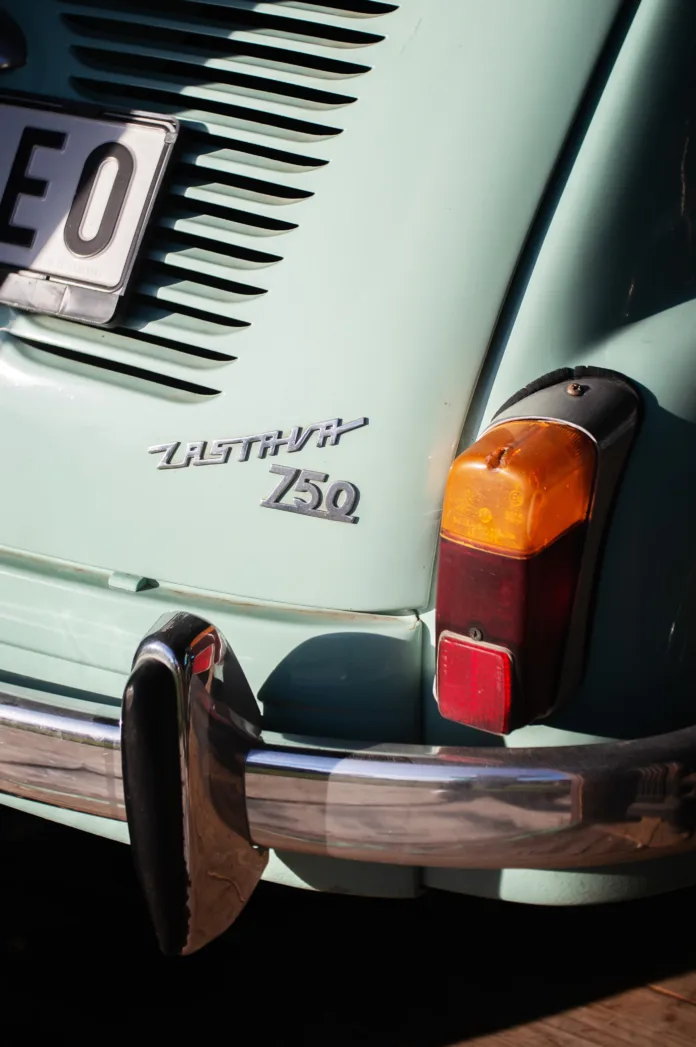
[305, 481]
[68, 760]
[493, 808]
[189, 719]
[418, 805]
[218, 452]
[203, 794]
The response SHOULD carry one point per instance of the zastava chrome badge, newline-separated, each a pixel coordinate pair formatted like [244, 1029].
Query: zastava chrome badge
[220, 451]
[337, 503]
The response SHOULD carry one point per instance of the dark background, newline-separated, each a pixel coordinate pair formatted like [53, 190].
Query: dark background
[80, 964]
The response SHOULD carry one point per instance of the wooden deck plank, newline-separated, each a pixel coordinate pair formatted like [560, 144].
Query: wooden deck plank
[683, 987]
[639, 1018]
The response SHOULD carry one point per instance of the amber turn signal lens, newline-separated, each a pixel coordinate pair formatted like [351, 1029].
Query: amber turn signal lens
[520, 487]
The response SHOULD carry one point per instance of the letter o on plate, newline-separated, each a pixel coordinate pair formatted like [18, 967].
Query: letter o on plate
[84, 197]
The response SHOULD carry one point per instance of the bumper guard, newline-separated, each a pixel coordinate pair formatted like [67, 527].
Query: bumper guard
[205, 798]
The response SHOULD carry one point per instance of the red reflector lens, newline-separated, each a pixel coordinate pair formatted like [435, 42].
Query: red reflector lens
[474, 683]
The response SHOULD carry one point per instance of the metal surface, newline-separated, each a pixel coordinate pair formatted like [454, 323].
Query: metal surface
[560, 808]
[188, 720]
[340, 500]
[63, 759]
[218, 452]
[201, 786]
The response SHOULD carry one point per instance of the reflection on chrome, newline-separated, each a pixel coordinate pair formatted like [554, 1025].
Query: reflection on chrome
[536, 808]
[67, 760]
[205, 796]
[189, 718]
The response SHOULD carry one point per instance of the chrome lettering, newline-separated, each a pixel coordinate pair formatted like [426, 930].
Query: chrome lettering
[266, 444]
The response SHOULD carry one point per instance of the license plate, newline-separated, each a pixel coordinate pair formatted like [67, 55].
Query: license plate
[76, 193]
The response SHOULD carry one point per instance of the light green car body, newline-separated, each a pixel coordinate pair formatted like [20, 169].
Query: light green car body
[491, 210]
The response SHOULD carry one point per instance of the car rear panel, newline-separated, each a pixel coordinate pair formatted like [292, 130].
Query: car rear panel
[354, 186]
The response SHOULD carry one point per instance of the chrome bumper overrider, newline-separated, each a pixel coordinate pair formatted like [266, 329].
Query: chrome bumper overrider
[205, 798]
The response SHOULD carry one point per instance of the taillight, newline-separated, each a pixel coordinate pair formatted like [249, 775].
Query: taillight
[523, 514]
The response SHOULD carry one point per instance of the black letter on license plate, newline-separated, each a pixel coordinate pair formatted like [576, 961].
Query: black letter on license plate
[22, 184]
[93, 165]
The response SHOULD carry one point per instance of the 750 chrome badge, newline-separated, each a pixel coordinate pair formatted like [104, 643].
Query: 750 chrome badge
[339, 501]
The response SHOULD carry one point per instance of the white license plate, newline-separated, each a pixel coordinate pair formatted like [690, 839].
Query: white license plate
[76, 194]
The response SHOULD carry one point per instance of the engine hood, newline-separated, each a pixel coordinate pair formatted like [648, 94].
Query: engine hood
[335, 248]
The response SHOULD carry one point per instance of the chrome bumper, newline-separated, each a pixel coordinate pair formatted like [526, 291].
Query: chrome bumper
[205, 797]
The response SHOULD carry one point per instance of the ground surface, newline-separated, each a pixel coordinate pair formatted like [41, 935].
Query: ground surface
[78, 964]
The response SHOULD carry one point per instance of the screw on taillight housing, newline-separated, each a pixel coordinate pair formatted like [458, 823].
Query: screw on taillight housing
[524, 513]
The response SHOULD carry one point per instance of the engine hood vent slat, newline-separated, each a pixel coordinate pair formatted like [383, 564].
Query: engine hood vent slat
[296, 26]
[182, 39]
[222, 74]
